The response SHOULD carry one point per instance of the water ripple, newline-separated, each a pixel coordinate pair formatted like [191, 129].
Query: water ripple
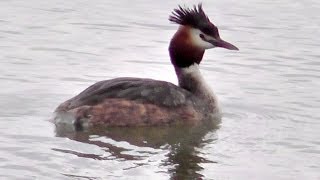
[61, 50]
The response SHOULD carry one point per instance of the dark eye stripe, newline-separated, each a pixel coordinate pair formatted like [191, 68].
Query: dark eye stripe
[207, 30]
[212, 31]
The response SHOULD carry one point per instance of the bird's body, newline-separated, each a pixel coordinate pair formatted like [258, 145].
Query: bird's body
[143, 102]
[135, 102]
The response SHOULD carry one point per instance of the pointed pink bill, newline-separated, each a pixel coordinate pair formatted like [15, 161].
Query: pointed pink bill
[225, 44]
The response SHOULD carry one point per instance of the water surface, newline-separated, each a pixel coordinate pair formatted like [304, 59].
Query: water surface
[268, 91]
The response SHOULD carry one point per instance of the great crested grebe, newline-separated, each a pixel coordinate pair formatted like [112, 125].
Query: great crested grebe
[145, 102]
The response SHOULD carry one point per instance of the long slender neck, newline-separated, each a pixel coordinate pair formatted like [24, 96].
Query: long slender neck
[191, 79]
[186, 59]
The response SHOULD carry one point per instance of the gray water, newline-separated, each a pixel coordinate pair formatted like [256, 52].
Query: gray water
[268, 91]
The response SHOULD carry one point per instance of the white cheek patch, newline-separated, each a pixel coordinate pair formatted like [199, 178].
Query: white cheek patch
[197, 41]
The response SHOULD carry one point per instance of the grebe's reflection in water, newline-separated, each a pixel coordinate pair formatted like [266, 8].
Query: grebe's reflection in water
[176, 148]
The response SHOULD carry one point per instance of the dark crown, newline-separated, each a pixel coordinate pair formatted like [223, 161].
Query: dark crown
[195, 18]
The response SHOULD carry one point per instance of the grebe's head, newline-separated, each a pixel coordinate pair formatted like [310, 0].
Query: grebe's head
[197, 28]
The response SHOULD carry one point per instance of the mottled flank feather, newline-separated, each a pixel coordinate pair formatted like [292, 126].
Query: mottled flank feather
[134, 102]
[144, 90]
[123, 112]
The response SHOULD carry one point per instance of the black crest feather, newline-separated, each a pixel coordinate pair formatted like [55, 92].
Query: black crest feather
[186, 16]
[195, 18]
